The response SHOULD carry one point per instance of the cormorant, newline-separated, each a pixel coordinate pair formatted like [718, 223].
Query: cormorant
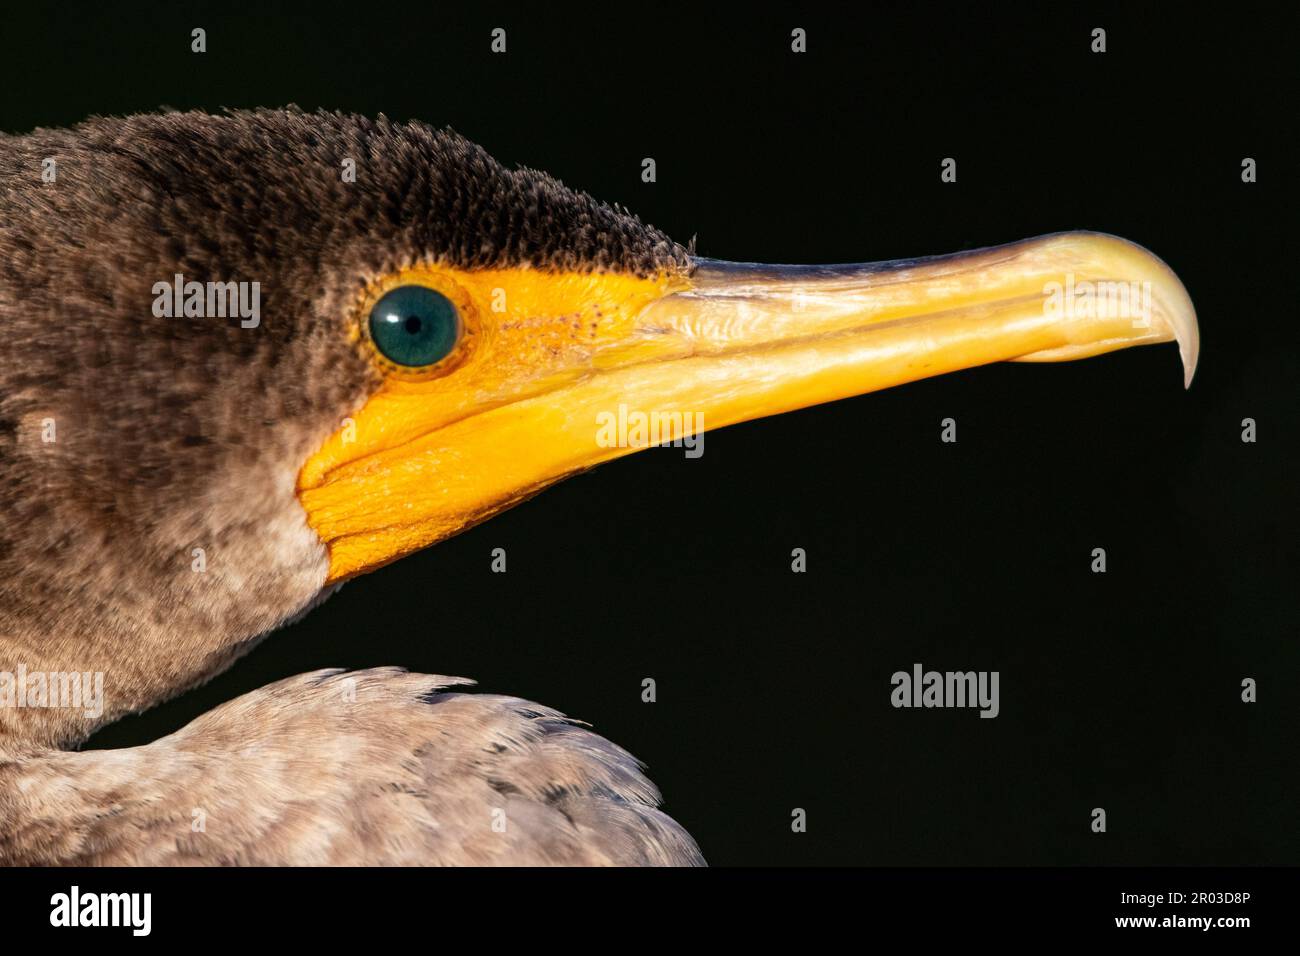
[233, 376]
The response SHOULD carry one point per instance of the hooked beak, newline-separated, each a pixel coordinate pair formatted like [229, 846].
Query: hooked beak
[729, 343]
[800, 335]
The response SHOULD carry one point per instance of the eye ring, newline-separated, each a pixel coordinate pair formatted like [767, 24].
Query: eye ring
[417, 325]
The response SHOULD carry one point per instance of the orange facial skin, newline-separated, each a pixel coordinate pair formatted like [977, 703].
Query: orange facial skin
[544, 357]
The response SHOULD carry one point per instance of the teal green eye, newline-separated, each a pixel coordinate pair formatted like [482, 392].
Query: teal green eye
[414, 326]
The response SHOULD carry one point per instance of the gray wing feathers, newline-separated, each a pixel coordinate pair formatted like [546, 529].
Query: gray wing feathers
[376, 767]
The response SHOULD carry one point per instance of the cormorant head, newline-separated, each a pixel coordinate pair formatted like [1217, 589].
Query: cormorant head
[249, 356]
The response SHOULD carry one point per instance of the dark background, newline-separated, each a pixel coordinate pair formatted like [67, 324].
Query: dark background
[1119, 690]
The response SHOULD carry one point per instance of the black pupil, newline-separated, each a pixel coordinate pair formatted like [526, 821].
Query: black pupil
[413, 324]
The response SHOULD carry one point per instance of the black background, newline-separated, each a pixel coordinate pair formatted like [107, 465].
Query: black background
[1119, 690]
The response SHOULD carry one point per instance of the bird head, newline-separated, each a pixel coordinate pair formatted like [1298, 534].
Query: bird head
[405, 338]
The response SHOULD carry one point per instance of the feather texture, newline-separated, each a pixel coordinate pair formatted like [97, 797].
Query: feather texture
[375, 767]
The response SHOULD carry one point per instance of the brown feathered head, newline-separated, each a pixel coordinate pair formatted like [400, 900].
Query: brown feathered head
[247, 356]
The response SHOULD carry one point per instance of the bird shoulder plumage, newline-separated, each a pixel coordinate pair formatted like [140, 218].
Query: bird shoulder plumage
[374, 767]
